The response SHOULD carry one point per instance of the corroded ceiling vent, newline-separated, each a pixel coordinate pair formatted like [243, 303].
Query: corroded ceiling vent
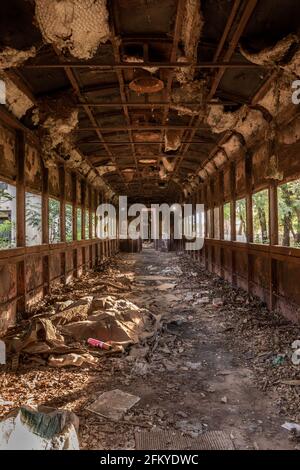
[146, 84]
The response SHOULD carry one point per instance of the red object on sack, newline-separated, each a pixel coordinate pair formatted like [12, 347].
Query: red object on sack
[98, 344]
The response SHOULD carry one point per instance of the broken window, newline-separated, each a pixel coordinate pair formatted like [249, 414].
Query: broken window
[8, 216]
[216, 223]
[69, 222]
[289, 214]
[227, 221]
[260, 203]
[87, 224]
[79, 223]
[54, 221]
[33, 217]
[241, 221]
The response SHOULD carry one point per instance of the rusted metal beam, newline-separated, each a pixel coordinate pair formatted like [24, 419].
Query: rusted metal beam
[141, 65]
[124, 98]
[139, 128]
[70, 74]
[124, 143]
[154, 105]
[176, 37]
[248, 10]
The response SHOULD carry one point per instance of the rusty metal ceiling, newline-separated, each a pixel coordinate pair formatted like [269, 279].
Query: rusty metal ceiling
[121, 131]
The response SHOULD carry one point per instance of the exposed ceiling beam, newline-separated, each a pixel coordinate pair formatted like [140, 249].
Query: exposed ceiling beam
[242, 23]
[140, 128]
[160, 65]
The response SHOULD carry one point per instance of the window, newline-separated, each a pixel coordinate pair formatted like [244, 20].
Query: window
[227, 221]
[289, 214]
[260, 203]
[79, 223]
[208, 223]
[69, 222]
[8, 216]
[241, 221]
[87, 224]
[33, 217]
[93, 215]
[54, 221]
[216, 223]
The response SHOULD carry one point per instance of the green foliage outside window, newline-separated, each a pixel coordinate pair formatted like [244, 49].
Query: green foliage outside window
[69, 222]
[289, 214]
[227, 221]
[241, 220]
[33, 217]
[87, 224]
[54, 221]
[7, 216]
[79, 224]
[260, 202]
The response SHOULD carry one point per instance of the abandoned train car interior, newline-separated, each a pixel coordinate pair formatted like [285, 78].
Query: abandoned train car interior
[150, 225]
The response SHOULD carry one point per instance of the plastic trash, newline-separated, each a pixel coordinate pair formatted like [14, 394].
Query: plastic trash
[292, 427]
[96, 343]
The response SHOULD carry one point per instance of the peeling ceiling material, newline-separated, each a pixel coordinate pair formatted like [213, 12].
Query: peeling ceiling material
[220, 158]
[16, 101]
[277, 54]
[192, 25]
[169, 165]
[272, 171]
[102, 170]
[278, 97]
[139, 60]
[250, 123]
[10, 57]
[172, 140]
[233, 147]
[79, 26]
[291, 134]
[190, 92]
[271, 55]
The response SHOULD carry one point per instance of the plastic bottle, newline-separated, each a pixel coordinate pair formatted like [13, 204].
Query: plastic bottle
[98, 344]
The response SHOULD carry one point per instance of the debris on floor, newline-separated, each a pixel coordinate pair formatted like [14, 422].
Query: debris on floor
[198, 357]
[113, 404]
[39, 429]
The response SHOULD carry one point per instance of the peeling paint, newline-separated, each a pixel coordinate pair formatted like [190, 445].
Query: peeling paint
[139, 60]
[220, 158]
[192, 25]
[10, 57]
[172, 140]
[233, 147]
[102, 170]
[271, 55]
[77, 25]
[16, 101]
[250, 123]
[169, 165]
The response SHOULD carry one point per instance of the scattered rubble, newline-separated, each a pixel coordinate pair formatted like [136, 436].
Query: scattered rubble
[185, 348]
[114, 404]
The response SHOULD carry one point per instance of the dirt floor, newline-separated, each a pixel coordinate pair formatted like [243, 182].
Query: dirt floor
[219, 361]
